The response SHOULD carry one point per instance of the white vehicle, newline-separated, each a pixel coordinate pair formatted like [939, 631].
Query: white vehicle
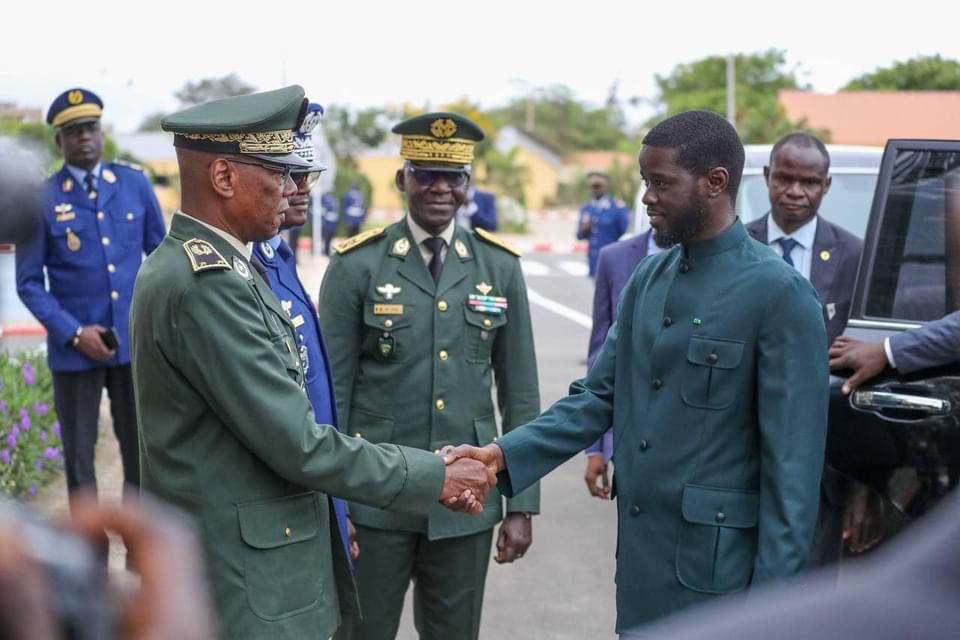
[854, 170]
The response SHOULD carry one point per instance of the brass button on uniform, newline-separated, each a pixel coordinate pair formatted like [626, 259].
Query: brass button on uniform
[111, 268]
[388, 323]
[657, 384]
[487, 322]
[99, 215]
[712, 358]
[442, 305]
[721, 516]
[444, 355]
[287, 532]
[436, 451]
[129, 216]
[358, 435]
[441, 405]
[105, 241]
[114, 295]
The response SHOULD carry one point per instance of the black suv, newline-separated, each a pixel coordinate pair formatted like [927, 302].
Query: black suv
[900, 434]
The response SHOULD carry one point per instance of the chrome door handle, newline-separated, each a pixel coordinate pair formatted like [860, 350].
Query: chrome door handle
[880, 400]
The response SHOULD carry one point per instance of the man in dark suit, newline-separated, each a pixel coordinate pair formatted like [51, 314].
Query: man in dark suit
[798, 178]
[614, 267]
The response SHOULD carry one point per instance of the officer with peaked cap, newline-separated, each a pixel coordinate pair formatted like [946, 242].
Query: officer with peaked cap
[421, 319]
[227, 431]
[77, 276]
[280, 267]
[602, 220]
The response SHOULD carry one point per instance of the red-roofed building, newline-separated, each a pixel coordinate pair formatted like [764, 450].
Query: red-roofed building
[873, 117]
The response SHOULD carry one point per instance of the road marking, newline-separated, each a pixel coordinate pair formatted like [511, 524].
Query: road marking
[563, 310]
[534, 268]
[578, 268]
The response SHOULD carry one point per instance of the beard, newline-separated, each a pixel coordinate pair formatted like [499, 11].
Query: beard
[687, 225]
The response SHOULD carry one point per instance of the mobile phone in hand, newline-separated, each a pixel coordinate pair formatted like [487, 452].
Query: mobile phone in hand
[110, 339]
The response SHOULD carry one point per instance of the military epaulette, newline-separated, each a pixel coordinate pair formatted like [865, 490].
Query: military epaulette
[204, 256]
[358, 240]
[129, 165]
[497, 242]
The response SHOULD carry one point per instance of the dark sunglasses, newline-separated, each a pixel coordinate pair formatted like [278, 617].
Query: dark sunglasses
[283, 172]
[306, 179]
[426, 177]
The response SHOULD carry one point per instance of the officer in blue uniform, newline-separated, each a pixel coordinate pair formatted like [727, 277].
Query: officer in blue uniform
[280, 270]
[479, 211]
[329, 217]
[602, 220]
[99, 219]
[354, 210]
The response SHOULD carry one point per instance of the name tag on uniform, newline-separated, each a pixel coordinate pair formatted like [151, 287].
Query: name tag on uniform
[297, 321]
[388, 309]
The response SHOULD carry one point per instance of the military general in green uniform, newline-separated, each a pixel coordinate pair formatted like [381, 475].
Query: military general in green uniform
[421, 319]
[226, 429]
[714, 379]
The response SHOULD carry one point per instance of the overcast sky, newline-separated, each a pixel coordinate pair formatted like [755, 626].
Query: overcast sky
[136, 54]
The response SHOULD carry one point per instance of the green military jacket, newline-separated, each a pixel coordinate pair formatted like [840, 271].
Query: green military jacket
[412, 360]
[715, 381]
[228, 434]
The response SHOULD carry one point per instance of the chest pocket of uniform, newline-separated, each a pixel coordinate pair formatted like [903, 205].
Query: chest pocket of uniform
[710, 380]
[480, 333]
[281, 338]
[387, 337]
[129, 225]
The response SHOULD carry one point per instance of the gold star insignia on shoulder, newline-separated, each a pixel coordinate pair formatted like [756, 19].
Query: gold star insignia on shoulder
[401, 247]
[824, 255]
[67, 185]
[109, 176]
[485, 235]
[461, 249]
[358, 240]
[484, 288]
[203, 255]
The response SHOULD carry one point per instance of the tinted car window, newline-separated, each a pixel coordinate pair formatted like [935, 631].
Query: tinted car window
[918, 240]
[847, 204]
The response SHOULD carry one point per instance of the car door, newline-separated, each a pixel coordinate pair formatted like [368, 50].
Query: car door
[900, 434]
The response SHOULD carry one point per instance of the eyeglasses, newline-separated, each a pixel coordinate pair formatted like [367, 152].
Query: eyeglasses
[307, 179]
[283, 172]
[426, 177]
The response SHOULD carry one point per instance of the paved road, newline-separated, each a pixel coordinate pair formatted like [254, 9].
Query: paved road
[563, 588]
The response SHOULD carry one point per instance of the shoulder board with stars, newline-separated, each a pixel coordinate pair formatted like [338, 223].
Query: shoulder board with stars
[497, 242]
[204, 256]
[358, 240]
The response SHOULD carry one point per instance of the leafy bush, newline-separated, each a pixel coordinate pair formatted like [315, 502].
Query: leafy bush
[31, 452]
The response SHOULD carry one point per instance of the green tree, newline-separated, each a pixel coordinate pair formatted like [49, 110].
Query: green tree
[40, 137]
[563, 122]
[350, 132]
[504, 174]
[758, 79]
[212, 88]
[923, 73]
[151, 122]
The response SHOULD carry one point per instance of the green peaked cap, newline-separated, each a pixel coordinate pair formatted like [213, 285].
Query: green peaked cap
[261, 125]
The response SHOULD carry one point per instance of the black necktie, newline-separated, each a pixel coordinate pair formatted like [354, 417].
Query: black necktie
[88, 182]
[787, 244]
[435, 246]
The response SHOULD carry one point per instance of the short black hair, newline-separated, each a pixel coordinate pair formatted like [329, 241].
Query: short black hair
[801, 139]
[703, 140]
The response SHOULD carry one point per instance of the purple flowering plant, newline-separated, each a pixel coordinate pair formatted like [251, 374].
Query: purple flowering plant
[29, 457]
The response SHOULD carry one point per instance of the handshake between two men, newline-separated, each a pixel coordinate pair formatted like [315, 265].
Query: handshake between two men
[471, 474]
